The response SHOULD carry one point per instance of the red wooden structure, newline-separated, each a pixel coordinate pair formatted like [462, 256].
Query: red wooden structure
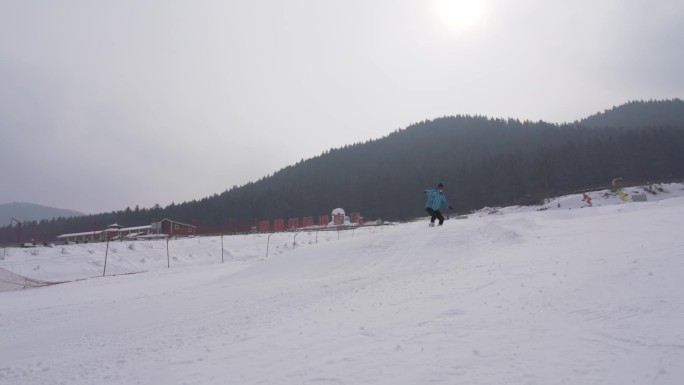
[356, 218]
[174, 228]
[293, 223]
[278, 224]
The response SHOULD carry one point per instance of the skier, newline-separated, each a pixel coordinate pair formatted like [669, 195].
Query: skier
[435, 199]
[622, 195]
[586, 198]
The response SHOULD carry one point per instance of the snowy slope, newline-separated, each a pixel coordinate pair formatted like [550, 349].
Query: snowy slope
[558, 296]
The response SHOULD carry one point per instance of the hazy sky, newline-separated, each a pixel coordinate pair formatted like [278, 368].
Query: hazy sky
[111, 104]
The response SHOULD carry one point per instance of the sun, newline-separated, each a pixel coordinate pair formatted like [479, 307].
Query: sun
[460, 15]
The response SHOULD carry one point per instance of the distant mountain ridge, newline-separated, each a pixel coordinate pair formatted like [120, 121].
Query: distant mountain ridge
[636, 114]
[32, 212]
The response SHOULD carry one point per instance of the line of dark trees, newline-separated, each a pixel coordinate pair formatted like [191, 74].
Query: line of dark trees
[480, 160]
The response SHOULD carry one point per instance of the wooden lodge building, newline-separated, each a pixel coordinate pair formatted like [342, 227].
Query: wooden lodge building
[162, 229]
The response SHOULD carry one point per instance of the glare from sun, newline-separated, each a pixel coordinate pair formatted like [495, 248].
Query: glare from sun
[460, 15]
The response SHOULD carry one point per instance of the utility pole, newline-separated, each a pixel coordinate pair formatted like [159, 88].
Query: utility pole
[20, 226]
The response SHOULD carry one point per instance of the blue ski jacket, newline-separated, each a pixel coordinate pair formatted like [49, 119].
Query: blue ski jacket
[435, 198]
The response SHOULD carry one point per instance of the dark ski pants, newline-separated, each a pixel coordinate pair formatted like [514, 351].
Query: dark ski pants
[435, 214]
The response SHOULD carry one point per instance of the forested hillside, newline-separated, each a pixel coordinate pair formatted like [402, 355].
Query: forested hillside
[480, 160]
[639, 114]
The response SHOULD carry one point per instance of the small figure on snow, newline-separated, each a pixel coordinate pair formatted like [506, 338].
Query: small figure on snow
[615, 183]
[622, 195]
[586, 198]
[435, 199]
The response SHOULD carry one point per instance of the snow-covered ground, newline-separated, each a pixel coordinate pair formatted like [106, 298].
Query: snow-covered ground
[562, 295]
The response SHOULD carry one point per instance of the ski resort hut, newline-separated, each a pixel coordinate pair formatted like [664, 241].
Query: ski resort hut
[339, 217]
[135, 232]
[85, 237]
[175, 229]
[112, 231]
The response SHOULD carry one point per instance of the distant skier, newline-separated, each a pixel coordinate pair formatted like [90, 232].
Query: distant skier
[615, 183]
[586, 198]
[622, 195]
[435, 199]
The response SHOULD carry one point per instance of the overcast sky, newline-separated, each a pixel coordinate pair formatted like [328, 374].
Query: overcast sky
[111, 104]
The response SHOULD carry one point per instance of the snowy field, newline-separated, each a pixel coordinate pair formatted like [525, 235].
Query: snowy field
[560, 294]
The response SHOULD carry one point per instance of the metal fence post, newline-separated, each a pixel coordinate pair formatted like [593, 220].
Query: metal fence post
[105, 264]
[268, 241]
[294, 241]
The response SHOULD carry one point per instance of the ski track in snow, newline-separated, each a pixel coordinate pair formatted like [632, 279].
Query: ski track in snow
[590, 296]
